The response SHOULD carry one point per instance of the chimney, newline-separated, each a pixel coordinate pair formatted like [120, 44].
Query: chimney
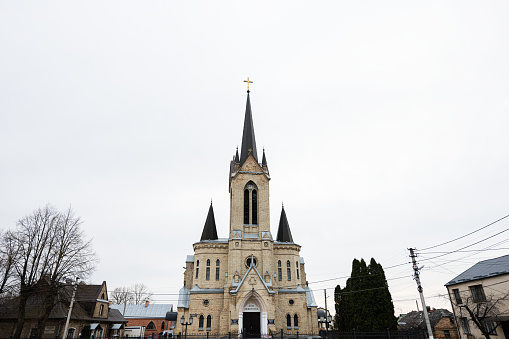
[147, 302]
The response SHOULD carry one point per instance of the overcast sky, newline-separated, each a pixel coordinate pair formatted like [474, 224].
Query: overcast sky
[385, 126]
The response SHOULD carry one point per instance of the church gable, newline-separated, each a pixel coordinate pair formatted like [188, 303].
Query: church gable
[252, 280]
[251, 165]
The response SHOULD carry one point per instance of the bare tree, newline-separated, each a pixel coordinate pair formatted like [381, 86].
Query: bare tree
[50, 246]
[7, 257]
[483, 311]
[122, 295]
[140, 293]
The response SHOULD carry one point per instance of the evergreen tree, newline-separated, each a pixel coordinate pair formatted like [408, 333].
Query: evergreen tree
[365, 303]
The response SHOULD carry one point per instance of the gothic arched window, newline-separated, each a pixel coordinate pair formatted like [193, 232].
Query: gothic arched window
[200, 323]
[217, 262]
[197, 263]
[208, 262]
[296, 322]
[151, 326]
[162, 326]
[250, 204]
[209, 322]
[246, 206]
[254, 207]
[279, 263]
[288, 321]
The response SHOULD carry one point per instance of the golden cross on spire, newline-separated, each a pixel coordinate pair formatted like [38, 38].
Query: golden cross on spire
[248, 82]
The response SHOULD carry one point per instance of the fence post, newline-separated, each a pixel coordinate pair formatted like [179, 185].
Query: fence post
[389, 333]
[297, 334]
[354, 334]
[179, 335]
[207, 335]
[281, 333]
[229, 335]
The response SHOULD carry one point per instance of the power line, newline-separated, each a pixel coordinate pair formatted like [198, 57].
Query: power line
[466, 235]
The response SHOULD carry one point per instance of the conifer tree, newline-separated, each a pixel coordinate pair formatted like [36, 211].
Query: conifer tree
[365, 303]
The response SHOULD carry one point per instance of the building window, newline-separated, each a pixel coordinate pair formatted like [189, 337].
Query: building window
[288, 263]
[209, 322]
[297, 265]
[101, 309]
[288, 322]
[151, 326]
[217, 262]
[490, 327]
[207, 274]
[254, 207]
[197, 269]
[197, 263]
[279, 272]
[217, 273]
[208, 262]
[457, 296]
[206, 302]
[447, 333]
[246, 206]
[70, 333]
[464, 324]
[296, 322]
[162, 326]
[200, 323]
[477, 293]
[289, 273]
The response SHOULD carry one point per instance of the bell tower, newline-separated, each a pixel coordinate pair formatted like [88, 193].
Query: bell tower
[249, 186]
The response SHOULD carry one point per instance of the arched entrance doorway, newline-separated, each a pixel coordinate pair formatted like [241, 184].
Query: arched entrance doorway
[253, 316]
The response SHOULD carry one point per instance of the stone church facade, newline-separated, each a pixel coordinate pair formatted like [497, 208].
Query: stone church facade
[248, 282]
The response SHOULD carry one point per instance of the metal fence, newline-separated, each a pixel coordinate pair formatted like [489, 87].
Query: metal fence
[281, 335]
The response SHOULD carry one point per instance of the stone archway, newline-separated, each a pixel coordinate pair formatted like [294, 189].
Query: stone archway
[253, 315]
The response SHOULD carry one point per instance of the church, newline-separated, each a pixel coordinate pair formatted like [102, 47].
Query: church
[247, 283]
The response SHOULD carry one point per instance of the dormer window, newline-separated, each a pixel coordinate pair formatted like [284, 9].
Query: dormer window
[250, 204]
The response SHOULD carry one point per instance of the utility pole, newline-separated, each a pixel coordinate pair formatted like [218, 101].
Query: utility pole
[326, 315]
[66, 328]
[419, 288]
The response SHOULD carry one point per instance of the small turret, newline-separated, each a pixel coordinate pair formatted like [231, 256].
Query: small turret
[283, 232]
[209, 230]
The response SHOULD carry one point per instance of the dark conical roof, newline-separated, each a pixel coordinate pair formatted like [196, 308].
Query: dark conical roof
[248, 136]
[264, 160]
[283, 232]
[209, 230]
[237, 155]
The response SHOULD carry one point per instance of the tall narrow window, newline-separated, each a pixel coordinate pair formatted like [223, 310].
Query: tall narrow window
[200, 323]
[197, 263]
[254, 208]
[279, 272]
[246, 207]
[457, 296]
[197, 269]
[209, 322]
[207, 274]
[297, 265]
[162, 326]
[208, 262]
[217, 273]
[296, 322]
[289, 273]
[217, 262]
[288, 321]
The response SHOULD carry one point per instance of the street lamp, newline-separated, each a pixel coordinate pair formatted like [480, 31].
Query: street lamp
[183, 322]
[325, 318]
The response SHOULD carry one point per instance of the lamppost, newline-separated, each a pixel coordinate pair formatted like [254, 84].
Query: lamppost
[324, 317]
[66, 328]
[184, 323]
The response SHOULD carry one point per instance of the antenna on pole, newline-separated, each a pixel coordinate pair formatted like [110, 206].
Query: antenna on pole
[419, 288]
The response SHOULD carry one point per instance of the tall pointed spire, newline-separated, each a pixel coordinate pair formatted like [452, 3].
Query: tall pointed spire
[248, 136]
[264, 160]
[237, 156]
[283, 232]
[209, 230]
